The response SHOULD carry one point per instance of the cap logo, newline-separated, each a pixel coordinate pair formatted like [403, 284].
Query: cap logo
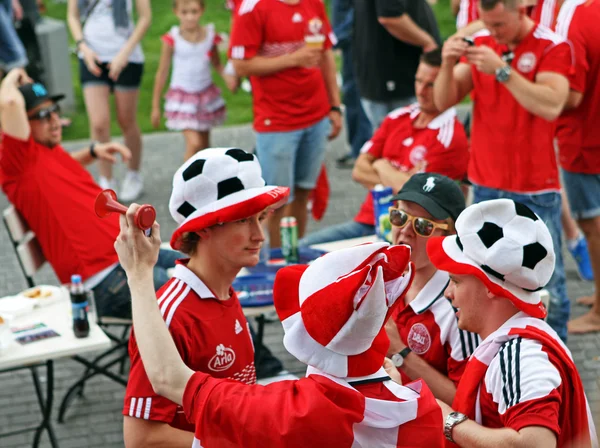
[429, 184]
[39, 90]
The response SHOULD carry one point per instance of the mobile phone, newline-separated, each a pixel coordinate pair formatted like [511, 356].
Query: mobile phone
[469, 40]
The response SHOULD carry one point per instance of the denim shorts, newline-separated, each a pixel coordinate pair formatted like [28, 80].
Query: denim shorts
[583, 191]
[294, 158]
[12, 51]
[129, 79]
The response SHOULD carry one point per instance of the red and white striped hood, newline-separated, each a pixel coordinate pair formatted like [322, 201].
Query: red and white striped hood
[334, 310]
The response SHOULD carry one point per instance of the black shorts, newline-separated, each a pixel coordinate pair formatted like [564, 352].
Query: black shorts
[129, 79]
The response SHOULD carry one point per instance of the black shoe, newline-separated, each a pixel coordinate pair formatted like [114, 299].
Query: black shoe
[345, 162]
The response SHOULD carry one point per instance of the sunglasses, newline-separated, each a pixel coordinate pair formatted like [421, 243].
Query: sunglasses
[422, 226]
[45, 114]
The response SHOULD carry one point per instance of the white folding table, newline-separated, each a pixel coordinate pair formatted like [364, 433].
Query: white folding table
[56, 316]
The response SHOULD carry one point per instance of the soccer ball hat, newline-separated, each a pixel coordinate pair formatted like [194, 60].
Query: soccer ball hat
[334, 311]
[504, 244]
[219, 185]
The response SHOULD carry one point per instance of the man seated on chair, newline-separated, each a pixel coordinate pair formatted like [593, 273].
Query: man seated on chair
[55, 194]
[411, 139]
[220, 228]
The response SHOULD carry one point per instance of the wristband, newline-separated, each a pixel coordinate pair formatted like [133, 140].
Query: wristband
[337, 109]
[92, 151]
[78, 43]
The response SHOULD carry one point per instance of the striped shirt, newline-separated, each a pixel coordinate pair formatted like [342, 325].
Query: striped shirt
[212, 336]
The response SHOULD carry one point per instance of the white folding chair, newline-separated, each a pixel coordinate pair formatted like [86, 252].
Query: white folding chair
[31, 259]
[26, 246]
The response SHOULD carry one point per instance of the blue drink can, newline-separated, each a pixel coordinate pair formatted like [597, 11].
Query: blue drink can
[382, 201]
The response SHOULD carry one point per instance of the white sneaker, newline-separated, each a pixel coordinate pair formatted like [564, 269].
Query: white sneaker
[132, 188]
[107, 184]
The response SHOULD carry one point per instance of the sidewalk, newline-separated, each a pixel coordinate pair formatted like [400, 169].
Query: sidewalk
[95, 420]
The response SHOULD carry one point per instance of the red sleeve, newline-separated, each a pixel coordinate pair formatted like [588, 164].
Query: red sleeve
[578, 79]
[375, 146]
[228, 413]
[557, 59]
[541, 412]
[330, 40]
[16, 155]
[168, 39]
[140, 399]
[247, 35]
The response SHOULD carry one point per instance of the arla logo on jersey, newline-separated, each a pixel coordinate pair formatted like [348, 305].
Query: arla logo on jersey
[222, 360]
[419, 339]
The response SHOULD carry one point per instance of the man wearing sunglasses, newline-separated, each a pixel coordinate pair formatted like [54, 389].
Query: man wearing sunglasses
[411, 139]
[425, 341]
[55, 193]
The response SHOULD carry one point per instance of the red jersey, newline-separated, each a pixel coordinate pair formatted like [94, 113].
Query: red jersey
[511, 148]
[56, 195]
[442, 145]
[525, 376]
[544, 12]
[579, 129]
[429, 327]
[316, 411]
[211, 335]
[290, 99]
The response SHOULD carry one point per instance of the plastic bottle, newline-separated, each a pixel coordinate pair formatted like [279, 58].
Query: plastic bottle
[79, 304]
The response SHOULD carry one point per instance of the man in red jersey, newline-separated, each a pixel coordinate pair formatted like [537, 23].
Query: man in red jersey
[521, 386]
[333, 313]
[56, 195]
[284, 46]
[415, 138]
[425, 341]
[220, 228]
[518, 75]
[579, 137]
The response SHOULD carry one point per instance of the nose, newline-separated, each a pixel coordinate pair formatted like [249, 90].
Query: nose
[449, 292]
[258, 233]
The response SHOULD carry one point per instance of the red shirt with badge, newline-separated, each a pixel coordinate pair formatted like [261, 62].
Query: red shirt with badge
[579, 129]
[429, 327]
[290, 99]
[511, 148]
[211, 335]
[55, 195]
[442, 145]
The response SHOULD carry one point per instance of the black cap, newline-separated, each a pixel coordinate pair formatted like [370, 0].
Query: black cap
[35, 94]
[438, 194]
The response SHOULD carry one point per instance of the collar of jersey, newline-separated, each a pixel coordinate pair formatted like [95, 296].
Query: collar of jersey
[431, 292]
[189, 278]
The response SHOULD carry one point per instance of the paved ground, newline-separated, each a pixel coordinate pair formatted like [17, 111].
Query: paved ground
[95, 420]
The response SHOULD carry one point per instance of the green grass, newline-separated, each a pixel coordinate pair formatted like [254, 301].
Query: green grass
[239, 105]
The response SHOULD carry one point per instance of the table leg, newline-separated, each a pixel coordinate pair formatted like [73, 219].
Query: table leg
[45, 404]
